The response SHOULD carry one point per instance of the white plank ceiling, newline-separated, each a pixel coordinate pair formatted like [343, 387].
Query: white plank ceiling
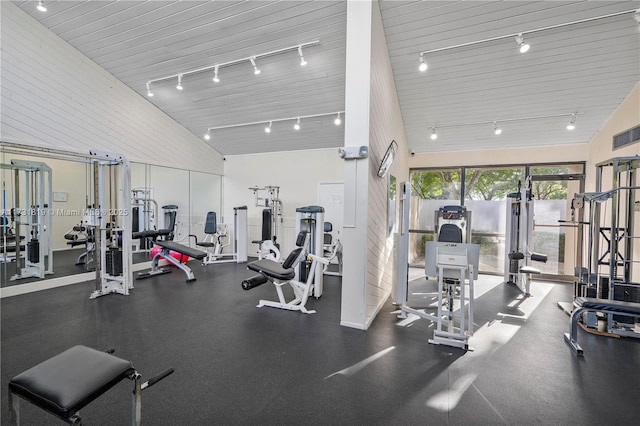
[587, 68]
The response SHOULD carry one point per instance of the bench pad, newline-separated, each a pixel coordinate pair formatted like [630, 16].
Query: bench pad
[182, 249]
[69, 381]
[608, 305]
[529, 270]
[272, 269]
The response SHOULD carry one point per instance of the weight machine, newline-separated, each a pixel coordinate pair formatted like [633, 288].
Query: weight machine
[455, 265]
[519, 239]
[453, 224]
[144, 211]
[217, 238]
[110, 220]
[310, 219]
[31, 216]
[612, 234]
[268, 247]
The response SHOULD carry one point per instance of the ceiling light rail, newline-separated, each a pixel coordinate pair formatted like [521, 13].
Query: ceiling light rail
[497, 129]
[251, 59]
[269, 123]
[519, 36]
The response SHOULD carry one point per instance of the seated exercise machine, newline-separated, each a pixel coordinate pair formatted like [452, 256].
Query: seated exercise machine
[67, 382]
[332, 249]
[591, 304]
[519, 239]
[217, 238]
[454, 263]
[268, 247]
[82, 235]
[284, 274]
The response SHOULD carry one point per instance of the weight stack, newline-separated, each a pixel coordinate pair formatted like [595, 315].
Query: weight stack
[33, 251]
[113, 262]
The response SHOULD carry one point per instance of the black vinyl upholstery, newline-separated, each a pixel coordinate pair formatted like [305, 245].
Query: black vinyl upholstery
[272, 269]
[182, 249]
[607, 305]
[211, 224]
[67, 382]
[450, 233]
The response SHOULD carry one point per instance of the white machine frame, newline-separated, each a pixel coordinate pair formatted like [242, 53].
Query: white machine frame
[217, 243]
[268, 249]
[311, 219]
[455, 265]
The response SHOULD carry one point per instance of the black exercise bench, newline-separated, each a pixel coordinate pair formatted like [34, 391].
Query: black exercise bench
[583, 304]
[165, 253]
[64, 384]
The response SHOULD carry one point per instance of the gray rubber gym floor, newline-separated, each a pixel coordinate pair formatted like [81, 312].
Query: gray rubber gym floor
[237, 364]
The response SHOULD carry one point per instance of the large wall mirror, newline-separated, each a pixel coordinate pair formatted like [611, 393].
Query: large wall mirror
[156, 191]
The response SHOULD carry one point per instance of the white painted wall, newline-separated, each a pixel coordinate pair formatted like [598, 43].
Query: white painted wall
[297, 173]
[54, 96]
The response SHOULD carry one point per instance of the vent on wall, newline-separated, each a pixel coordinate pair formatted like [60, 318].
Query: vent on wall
[626, 138]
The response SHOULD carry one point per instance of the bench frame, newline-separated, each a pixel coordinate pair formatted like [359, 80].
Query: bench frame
[585, 304]
[165, 253]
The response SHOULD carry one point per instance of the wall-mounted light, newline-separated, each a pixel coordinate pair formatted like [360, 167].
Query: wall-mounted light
[41, 7]
[179, 85]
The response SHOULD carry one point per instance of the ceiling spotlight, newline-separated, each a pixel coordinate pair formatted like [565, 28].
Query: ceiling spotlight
[41, 7]
[302, 60]
[149, 92]
[179, 86]
[497, 130]
[434, 135]
[268, 128]
[521, 43]
[215, 75]
[423, 64]
[572, 123]
[297, 125]
[256, 71]
[337, 121]
[207, 136]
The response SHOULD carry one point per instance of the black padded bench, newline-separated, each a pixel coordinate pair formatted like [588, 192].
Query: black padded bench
[165, 253]
[64, 384]
[583, 304]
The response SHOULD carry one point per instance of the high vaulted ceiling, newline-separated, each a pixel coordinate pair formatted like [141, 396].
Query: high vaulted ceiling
[585, 68]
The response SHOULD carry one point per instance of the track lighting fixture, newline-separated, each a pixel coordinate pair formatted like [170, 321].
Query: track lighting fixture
[303, 62]
[41, 7]
[524, 47]
[497, 130]
[149, 92]
[572, 123]
[434, 135]
[423, 64]
[252, 59]
[256, 70]
[179, 86]
[215, 75]
[267, 129]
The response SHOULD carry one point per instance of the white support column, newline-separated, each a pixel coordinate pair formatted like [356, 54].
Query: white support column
[356, 172]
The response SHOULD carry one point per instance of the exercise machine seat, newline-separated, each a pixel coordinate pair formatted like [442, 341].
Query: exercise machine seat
[67, 382]
[450, 233]
[613, 306]
[272, 269]
[529, 270]
[182, 249]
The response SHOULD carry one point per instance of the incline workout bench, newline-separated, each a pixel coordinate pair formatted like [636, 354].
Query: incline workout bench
[64, 384]
[165, 253]
[583, 304]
